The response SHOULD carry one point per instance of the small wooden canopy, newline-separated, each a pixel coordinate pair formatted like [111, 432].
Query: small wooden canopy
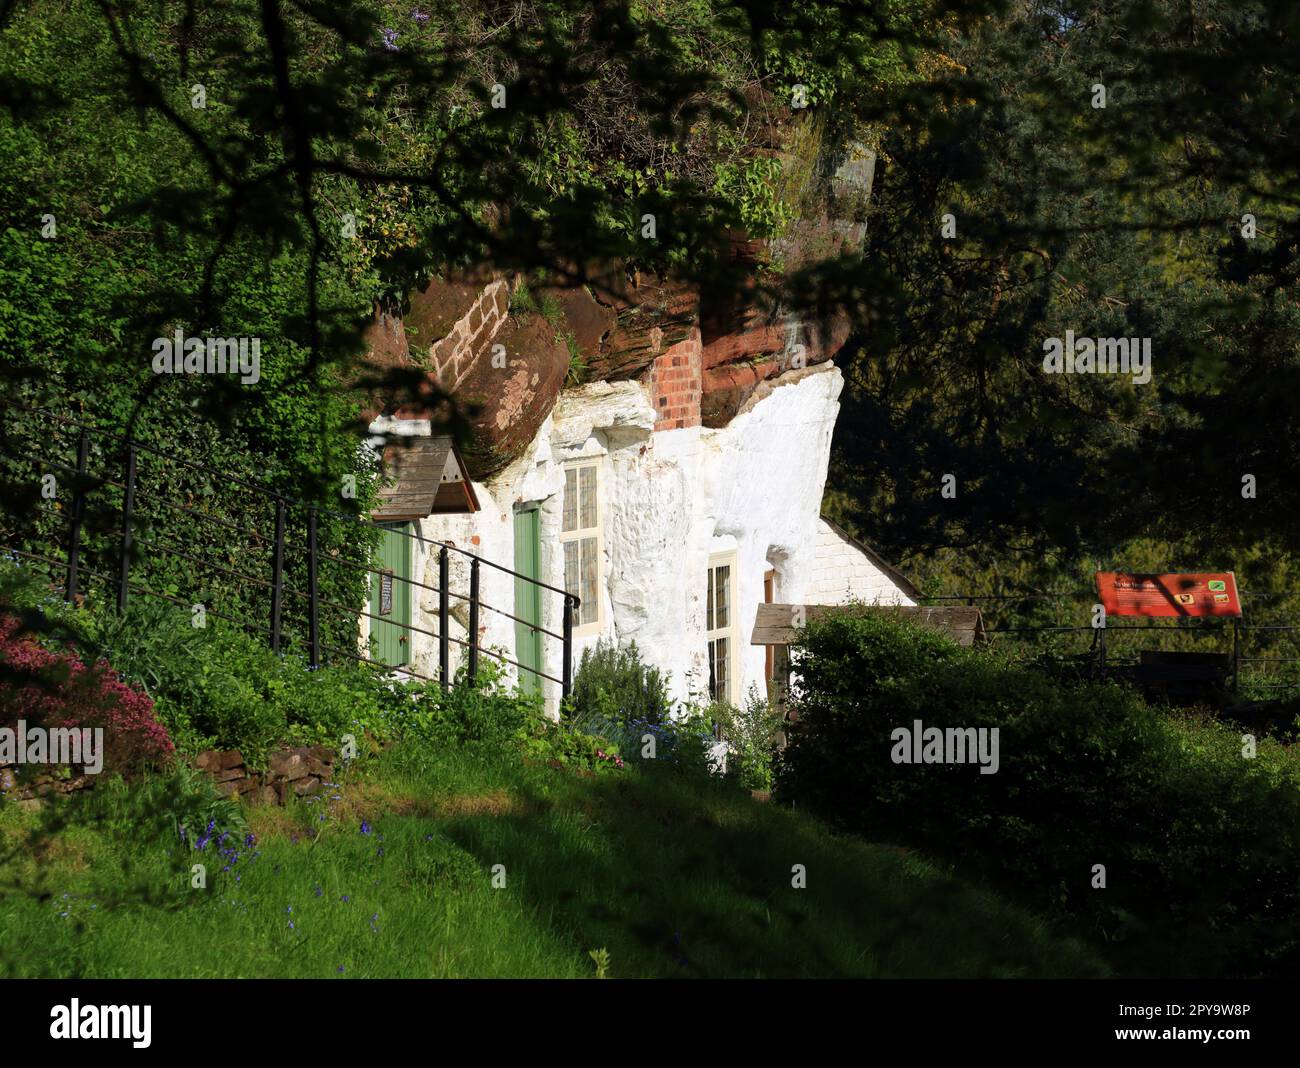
[775, 624]
[425, 476]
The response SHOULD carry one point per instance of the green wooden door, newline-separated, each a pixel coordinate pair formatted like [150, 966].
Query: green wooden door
[390, 598]
[528, 597]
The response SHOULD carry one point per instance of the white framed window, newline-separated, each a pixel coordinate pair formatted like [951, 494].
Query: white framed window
[720, 627]
[581, 541]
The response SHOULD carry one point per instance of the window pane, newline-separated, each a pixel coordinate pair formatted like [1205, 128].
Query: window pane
[590, 589]
[721, 669]
[587, 497]
[571, 567]
[570, 499]
[708, 603]
[722, 594]
[713, 672]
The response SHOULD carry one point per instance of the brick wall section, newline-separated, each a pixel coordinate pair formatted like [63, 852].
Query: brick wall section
[452, 357]
[675, 385]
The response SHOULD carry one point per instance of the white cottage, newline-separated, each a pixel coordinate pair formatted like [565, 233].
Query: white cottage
[670, 531]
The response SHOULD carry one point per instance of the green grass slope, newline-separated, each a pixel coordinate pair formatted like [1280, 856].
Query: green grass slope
[393, 875]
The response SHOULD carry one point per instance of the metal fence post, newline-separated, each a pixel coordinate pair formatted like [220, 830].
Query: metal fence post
[313, 598]
[473, 620]
[277, 576]
[78, 510]
[567, 669]
[1236, 656]
[444, 613]
[128, 506]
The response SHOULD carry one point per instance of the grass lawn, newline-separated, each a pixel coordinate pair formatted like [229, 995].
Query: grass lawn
[671, 876]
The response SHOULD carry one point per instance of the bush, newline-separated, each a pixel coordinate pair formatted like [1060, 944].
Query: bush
[219, 687]
[56, 690]
[1201, 847]
[751, 733]
[613, 684]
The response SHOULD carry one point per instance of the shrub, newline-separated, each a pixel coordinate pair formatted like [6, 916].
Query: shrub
[51, 690]
[613, 684]
[1201, 847]
[217, 686]
[751, 732]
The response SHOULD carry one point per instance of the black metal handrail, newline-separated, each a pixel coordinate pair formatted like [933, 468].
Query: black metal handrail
[86, 483]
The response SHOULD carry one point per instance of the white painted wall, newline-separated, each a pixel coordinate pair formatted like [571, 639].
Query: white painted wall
[843, 572]
[668, 500]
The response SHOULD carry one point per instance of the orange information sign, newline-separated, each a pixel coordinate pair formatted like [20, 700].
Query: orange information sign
[1169, 595]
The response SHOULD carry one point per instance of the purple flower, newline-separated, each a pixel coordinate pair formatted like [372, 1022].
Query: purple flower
[389, 39]
[365, 827]
[419, 15]
[340, 967]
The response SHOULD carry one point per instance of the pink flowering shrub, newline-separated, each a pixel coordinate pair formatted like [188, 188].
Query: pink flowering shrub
[47, 689]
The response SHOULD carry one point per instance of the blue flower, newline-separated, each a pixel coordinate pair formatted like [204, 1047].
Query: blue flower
[365, 827]
[389, 40]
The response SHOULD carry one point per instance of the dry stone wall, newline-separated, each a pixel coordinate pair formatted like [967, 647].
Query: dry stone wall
[300, 772]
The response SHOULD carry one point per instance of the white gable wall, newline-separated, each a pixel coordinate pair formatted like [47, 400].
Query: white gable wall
[843, 572]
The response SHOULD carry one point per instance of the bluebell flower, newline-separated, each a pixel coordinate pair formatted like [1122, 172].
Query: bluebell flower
[389, 40]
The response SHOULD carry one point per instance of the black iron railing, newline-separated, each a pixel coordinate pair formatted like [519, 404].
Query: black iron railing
[1102, 654]
[119, 568]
